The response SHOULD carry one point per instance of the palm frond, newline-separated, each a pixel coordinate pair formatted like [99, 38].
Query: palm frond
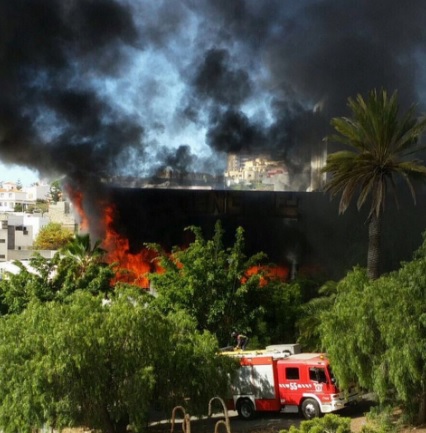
[379, 142]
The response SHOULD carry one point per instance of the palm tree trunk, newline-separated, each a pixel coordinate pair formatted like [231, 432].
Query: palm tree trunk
[373, 257]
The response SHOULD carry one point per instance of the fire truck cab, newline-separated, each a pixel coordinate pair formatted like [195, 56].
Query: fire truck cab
[283, 382]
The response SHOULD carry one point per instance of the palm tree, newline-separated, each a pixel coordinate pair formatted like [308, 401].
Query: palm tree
[82, 254]
[381, 143]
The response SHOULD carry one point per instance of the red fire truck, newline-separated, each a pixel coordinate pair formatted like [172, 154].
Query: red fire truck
[282, 379]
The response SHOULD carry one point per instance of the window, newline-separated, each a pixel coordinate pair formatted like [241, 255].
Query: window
[2, 241]
[292, 373]
[317, 375]
[2, 256]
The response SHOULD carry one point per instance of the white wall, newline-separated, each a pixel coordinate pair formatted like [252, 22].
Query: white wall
[37, 222]
[37, 192]
[3, 241]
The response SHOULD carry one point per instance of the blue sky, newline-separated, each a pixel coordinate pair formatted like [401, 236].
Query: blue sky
[14, 172]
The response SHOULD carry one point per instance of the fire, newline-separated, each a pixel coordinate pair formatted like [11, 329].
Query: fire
[77, 199]
[132, 268]
[268, 273]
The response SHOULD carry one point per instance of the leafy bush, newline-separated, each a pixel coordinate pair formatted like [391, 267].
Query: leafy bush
[380, 420]
[330, 423]
[103, 364]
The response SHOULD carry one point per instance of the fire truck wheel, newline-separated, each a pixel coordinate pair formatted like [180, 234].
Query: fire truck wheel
[245, 409]
[310, 408]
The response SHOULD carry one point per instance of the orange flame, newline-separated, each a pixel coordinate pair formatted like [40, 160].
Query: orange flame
[132, 268]
[268, 273]
[77, 198]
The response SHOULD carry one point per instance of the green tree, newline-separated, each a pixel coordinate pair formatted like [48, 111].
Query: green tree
[103, 365]
[281, 304]
[81, 265]
[40, 206]
[77, 266]
[19, 207]
[52, 237]
[56, 191]
[17, 290]
[309, 319]
[211, 283]
[381, 143]
[82, 252]
[224, 290]
[386, 346]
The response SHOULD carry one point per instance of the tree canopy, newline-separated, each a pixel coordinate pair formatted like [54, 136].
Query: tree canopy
[224, 290]
[52, 237]
[76, 266]
[385, 349]
[87, 362]
[381, 142]
[81, 352]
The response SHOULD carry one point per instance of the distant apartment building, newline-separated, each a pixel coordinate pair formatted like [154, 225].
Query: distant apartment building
[257, 172]
[26, 228]
[18, 230]
[9, 198]
[261, 172]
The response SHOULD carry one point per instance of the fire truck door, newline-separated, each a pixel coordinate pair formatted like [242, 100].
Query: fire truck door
[291, 386]
[319, 382]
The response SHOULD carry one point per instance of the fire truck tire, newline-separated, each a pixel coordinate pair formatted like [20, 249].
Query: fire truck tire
[245, 409]
[310, 408]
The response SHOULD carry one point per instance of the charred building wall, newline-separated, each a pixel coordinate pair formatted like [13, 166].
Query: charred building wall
[296, 229]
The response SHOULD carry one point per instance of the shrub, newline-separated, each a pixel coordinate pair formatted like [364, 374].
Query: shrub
[330, 423]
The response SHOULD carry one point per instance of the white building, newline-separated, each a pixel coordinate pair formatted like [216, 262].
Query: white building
[29, 225]
[18, 232]
[258, 172]
[38, 192]
[9, 186]
[10, 195]
[3, 240]
[9, 198]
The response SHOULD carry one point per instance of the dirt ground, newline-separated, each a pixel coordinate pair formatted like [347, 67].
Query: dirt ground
[268, 423]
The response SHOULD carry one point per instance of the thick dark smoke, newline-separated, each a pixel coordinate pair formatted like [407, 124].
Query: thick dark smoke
[92, 89]
[51, 118]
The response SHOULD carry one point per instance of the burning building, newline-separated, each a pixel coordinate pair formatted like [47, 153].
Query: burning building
[299, 231]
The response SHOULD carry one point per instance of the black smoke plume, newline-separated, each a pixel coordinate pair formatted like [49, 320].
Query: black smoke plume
[92, 89]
